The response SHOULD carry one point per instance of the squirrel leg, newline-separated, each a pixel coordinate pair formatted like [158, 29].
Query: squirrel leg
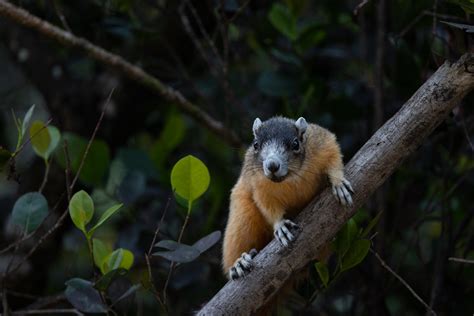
[246, 230]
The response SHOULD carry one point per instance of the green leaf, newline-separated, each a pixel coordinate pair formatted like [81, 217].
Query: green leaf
[100, 251]
[40, 138]
[345, 237]
[119, 258]
[323, 272]
[371, 225]
[283, 20]
[105, 216]
[26, 120]
[355, 254]
[82, 295]
[55, 138]
[190, 178]
[81, 210]
[29, 211]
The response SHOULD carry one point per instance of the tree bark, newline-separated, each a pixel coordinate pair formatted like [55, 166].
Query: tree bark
[367, 170]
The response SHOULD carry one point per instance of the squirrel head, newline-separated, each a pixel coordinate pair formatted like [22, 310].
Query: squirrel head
[279, 146]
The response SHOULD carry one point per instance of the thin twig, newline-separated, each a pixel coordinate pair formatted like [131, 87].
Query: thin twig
[360, 6]
[61, 16]
[461, 260]
[46, 174]
[386, 266]
[133, 72]
[173, 264]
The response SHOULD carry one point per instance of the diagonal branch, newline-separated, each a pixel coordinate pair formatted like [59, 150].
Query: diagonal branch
[369, 168]
[116, 62]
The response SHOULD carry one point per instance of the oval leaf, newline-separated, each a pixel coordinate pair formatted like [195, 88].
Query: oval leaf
[345, 237]
[190, 178]
[29, 211]
[208, 241]
[355, 254]
[82, 295]
[119, 258]
[100, 251]
[167, 244]
[40, 138]
[182, 254]
[282, 19]
[323, 272]
[105, 216]
[55, 138]
[81, 209]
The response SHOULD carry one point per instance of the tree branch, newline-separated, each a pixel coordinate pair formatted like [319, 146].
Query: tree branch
[116, 62]
[369, 168]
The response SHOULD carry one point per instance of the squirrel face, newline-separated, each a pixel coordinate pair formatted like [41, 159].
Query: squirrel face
[279, 146]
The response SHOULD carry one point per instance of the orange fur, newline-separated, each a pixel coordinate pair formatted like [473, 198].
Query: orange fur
[257, 203]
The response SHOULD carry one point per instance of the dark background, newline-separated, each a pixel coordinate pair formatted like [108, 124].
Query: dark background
[347, 72]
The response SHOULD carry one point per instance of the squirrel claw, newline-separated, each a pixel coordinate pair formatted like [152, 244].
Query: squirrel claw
[282, 231]
[343, 192]
[243, 265]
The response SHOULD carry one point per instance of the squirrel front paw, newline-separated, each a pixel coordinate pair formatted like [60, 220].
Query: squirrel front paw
[343, 192]
[243, 265]
[282, 231]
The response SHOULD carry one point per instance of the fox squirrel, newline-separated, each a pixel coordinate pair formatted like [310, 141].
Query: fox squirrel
[284, 168]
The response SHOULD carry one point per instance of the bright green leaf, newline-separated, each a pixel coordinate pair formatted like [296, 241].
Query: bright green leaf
[40, 138]
[119, 258]
[323, 272]
[100, 251]
[105, 216]
[81, 209]
[283, 20]
[29, 211]
[355, 254]
[190, 178]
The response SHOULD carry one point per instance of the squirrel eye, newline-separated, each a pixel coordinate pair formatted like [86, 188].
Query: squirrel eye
[295, 145]
[255, 145]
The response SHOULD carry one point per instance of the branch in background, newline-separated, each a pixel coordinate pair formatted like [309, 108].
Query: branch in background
[405, 284]
[370, 167]
[116, 62]
[461, 260]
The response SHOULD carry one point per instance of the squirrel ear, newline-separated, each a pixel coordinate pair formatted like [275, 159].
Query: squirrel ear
[301, 126]
[256, 125]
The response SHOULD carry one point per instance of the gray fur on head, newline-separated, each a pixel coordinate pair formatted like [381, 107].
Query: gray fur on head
[279, 145]
[256, 124]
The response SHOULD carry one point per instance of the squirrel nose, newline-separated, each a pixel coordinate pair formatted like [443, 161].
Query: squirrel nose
[273, 166]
